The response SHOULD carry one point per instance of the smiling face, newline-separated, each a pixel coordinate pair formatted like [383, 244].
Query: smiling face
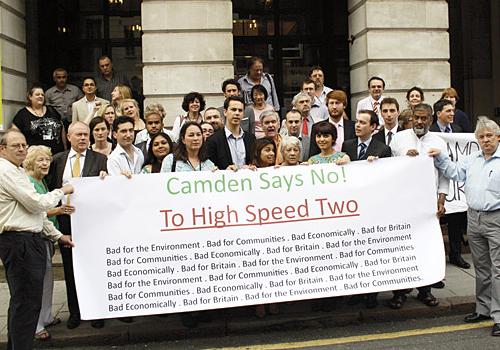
[41, 166]
[445, 116]
[194, 106]
[414, 98]
[267, 156]
[324, 142]
[37, 98]
[376, 88]
[212, 116]
[160, 147]
[421, 122]
[124, 135]
[193, 139]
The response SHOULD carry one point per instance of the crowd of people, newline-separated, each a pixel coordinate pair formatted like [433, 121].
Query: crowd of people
[102, 131]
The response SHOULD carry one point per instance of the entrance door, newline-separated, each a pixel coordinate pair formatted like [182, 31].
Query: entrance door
[292, 36]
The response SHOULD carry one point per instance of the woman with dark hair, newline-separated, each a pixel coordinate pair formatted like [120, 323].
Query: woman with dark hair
[414, 96]
[159, 147]
[99, 133]
[190, 154]
[264, 153]
[40, 124]
[254, 111]
[193, 103]
[326, 135]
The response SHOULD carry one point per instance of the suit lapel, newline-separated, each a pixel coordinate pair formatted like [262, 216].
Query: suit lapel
[89, 159]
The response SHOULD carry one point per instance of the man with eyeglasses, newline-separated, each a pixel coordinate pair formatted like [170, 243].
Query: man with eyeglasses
[23, 228]
[85, 108]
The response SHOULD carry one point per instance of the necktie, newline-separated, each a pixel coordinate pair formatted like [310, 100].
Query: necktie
[75, 170]
[305, 130]
[447, 129]
[375, 107]
[389, 138]
[362, 150]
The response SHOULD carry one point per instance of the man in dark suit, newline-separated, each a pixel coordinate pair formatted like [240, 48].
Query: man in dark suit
[230, 147]
[444, 111]
[456, 222]
[336, 102]
[361, 148]
[364, 145]
[389, 107]
[79, 161]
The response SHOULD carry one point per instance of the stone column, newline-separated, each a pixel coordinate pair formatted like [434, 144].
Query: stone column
[186, 46]
[13, 50]
[403, 41]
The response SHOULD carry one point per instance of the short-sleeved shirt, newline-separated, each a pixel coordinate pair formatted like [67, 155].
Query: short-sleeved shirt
[45, 130]
[62, 100]
[318, 159]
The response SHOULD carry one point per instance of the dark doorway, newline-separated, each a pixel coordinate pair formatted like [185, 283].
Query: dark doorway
[292, 36]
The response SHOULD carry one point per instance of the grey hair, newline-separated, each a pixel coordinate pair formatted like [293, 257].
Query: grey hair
[484, 122]
[299, 96]
[269, 113]
[4, 137]
[290, 141]
[33, 153]
[75, 123]
[423, 107]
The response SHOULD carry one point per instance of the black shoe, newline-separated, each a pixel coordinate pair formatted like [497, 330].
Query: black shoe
[438, 285]
[495, 331]
[73, 321]
[460, 262]
[371, 301]
[475, 317]
[397, 301]
[97, 323]
[428, 299]
[126, 319]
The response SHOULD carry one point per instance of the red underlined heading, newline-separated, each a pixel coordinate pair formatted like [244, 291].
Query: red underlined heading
[259, 224]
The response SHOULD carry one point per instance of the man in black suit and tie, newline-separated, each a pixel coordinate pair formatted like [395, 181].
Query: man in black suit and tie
[336, 102]
[389, 107]
[79, 161]
[444, 111]
[364, 145]
[362, 148]
[230, 147]
[456, 222]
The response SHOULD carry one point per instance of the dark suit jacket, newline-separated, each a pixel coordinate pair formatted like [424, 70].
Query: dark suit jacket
[143, 146]
[349, 133]
[376, 148]
[454, 128]
[94, 163]
[380, 135]
[218, 149]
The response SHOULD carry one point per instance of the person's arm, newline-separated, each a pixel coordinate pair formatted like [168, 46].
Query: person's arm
[113, 166]
[448, 168]
[23, 191]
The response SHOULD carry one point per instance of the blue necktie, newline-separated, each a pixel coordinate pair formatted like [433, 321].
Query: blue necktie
[362, 150]
[447, 129]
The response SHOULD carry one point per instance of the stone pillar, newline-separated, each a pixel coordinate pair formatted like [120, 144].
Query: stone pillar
[403, 41]
[186, 46]
[13, 50]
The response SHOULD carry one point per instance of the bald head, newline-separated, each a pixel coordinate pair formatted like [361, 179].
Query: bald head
[79, 136]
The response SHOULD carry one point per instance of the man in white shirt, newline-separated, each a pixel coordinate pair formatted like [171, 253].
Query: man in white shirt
[376, 87]
[153, 119]
[317, 76]
[390, 113]
[414, 142]
[23, 229]
[126, 159]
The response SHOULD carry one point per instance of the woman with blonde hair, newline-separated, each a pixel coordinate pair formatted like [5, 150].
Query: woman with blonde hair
[120, 92]
[36, 165]
[130, 108]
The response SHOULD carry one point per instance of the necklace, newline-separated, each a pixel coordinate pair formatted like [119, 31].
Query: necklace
[35, 112]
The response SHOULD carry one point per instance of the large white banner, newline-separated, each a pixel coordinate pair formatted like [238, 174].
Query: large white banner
[459, 146]
[164, 243]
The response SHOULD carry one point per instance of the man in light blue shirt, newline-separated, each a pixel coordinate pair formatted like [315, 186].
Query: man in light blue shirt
[480, 172]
